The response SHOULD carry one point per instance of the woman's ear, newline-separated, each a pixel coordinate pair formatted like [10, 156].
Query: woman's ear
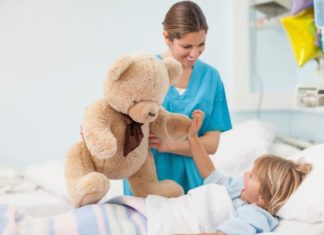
[166, 38]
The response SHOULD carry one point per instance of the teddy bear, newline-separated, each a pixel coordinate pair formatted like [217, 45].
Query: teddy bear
[116, 129]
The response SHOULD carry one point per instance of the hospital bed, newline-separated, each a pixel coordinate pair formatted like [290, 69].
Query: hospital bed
[40, 189]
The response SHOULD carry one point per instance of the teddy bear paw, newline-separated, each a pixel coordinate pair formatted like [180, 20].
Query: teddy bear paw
[90, 189]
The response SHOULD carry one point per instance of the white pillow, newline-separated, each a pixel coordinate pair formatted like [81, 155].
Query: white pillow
[283, 149]
[307, 203]
[240, 146]
[7, 172]
[50, 176]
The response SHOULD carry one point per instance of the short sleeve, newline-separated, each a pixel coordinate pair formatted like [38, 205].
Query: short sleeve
[219, 118]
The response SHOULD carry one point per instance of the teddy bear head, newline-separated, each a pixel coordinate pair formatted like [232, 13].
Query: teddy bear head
[137, 84]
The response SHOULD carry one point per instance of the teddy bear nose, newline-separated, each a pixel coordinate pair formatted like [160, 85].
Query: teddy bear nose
[151, 114]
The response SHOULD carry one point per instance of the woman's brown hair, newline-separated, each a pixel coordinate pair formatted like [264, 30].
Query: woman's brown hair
[278, 178]
[182, 18]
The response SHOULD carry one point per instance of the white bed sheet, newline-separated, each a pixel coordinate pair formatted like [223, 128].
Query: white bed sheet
[38, 203]
[51, 199]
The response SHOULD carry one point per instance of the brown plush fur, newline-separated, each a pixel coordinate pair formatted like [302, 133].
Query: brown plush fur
[135, 85]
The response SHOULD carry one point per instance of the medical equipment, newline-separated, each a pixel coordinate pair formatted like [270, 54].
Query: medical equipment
[319, 19]
[310, 95]
[271, 8]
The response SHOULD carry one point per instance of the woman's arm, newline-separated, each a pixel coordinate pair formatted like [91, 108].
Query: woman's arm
[210, 142]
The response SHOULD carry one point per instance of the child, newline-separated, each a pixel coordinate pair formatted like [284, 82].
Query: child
[258, 195]
[256, 198]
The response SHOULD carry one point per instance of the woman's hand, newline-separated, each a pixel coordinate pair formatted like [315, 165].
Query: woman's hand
[158, 143]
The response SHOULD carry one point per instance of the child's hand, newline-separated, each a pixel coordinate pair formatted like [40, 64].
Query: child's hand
[197, 119]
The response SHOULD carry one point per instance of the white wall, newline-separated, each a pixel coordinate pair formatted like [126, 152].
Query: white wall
[53, 59]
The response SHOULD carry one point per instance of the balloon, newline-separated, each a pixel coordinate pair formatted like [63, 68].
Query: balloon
[299, 5]
[301, 31]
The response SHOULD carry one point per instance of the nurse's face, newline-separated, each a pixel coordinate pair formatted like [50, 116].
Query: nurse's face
[188, 48]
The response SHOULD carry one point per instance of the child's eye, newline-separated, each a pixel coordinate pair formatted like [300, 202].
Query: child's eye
[186, 47]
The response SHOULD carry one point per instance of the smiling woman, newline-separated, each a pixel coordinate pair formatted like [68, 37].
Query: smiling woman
[185, 30]
[186, 50]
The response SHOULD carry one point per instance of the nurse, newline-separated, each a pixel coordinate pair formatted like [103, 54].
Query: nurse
[200, 87]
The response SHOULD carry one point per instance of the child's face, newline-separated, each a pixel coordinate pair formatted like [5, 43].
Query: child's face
[251, 191]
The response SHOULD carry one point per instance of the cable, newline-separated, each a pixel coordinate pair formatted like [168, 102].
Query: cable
[255, 72]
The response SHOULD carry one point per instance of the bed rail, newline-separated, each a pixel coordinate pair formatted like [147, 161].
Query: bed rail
[298, 143]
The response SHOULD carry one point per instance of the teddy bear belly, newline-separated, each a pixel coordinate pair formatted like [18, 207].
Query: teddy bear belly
[118, 166]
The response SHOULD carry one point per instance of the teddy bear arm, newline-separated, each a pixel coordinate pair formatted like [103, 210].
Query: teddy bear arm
[170, 125]
[157, 127]
[97, 133]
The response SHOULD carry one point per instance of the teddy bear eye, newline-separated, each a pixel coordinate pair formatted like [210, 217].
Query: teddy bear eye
[134, 101]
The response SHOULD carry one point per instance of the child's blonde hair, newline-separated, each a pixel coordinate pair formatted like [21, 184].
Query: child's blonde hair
[278, 178]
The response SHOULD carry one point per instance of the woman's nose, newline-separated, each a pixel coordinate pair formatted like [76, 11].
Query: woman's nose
[194, 52]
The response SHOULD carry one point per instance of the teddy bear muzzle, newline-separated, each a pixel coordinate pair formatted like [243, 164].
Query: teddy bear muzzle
[144, 111]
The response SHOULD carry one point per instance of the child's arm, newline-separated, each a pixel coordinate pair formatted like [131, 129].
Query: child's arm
[202, 160]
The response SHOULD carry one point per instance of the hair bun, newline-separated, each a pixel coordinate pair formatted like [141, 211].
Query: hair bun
[303, 167]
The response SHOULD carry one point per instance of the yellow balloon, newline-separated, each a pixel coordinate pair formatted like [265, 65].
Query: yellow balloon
[302, 32]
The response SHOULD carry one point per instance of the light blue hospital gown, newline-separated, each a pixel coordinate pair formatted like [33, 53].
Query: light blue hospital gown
[249, 218]
[205, 91]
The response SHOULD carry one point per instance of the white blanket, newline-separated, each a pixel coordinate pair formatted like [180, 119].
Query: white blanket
[201, 210]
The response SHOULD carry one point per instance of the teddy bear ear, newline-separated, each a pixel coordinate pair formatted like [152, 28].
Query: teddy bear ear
[174, 68]
[119, 67]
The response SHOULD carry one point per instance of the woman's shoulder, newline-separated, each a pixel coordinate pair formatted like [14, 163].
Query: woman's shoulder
[207, 68]
[209, 74]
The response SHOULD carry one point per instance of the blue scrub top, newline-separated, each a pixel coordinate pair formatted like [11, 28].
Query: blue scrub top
[205, 91]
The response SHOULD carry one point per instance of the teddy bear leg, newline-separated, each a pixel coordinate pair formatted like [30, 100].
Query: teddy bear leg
[145, 182]
[84, 184]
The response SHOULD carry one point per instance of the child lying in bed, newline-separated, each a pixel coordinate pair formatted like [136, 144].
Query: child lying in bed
[258, 195]
[224, 205]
